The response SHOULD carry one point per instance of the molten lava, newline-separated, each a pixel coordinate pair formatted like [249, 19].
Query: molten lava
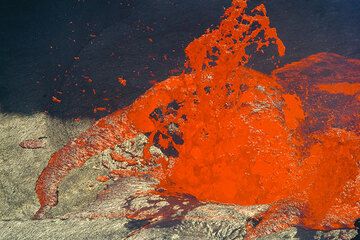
[234, 135]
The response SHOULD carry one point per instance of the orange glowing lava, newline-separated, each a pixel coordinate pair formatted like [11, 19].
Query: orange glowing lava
[341, 88]
[232, 134]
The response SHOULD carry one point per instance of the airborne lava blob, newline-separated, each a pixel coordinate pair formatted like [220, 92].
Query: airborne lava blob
[233, 135]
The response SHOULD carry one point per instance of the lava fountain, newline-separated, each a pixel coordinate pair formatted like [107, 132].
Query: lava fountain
[230, 134]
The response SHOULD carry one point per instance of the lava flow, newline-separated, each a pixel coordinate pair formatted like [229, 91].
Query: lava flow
[230, 134]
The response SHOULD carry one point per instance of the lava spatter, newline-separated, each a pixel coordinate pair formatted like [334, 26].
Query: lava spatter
[230, 134]
[328, 86]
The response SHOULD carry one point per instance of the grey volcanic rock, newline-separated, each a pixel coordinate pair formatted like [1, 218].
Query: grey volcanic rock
[59, 229]
[19, 167]
[89, 209]
[302, 234]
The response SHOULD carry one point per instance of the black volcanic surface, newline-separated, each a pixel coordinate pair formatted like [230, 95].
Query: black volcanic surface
[49, 48]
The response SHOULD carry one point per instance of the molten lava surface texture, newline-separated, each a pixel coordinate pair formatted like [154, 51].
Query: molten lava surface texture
[230, 134]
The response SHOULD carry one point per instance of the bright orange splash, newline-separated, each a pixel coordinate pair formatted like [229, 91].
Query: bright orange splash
[231, 135]
[341, 88]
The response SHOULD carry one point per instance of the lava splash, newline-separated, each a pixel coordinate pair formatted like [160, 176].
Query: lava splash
[230, 134]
